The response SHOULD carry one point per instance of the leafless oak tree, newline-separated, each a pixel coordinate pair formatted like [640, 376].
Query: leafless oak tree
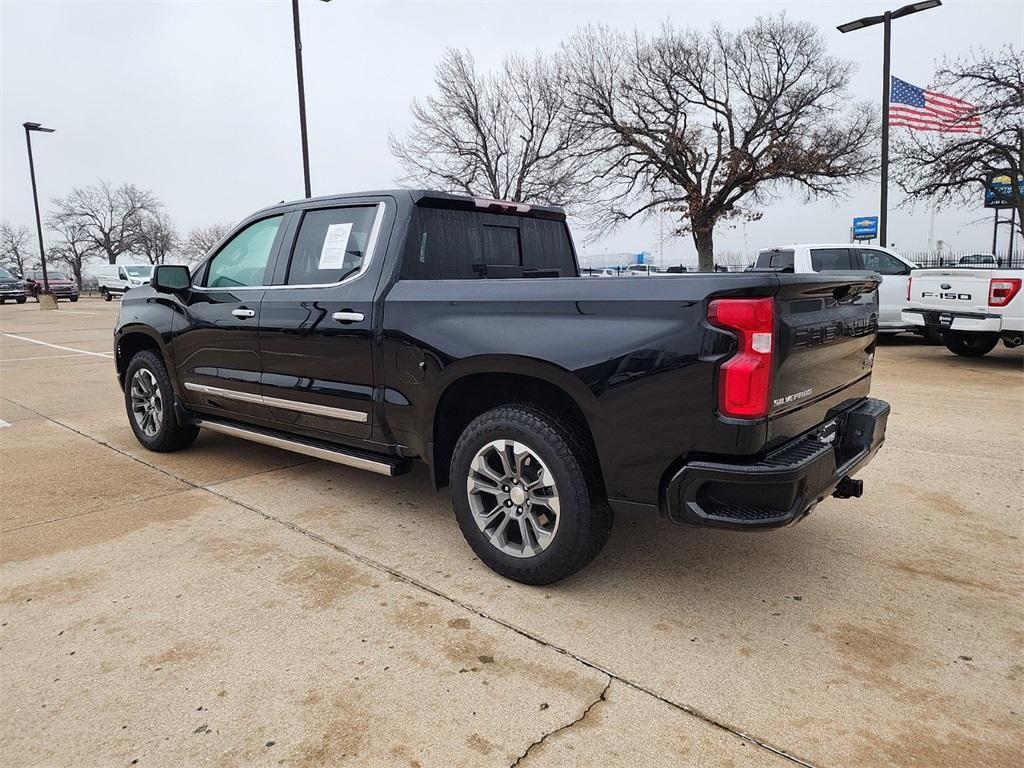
[700, 123]
[156, 238]
[17, 251]
[110, 216]
[200, 241]
[954, 168]
[74, 248]
[505, 135]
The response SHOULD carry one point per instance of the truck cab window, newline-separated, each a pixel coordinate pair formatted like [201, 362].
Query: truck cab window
[243, 261]
[448, 244]
[823, 259]
[332, 243]
[883, 263]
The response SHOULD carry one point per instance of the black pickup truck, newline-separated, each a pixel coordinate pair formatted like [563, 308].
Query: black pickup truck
[375, 329]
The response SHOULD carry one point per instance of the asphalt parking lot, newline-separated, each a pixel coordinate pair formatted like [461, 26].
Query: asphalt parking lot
[237, 605]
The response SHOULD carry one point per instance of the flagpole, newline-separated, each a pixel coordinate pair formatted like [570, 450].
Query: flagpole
[883, 205]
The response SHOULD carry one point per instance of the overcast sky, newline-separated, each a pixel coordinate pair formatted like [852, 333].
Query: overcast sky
[197, 100]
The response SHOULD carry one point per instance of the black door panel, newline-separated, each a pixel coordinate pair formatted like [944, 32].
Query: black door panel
[216, 351]
[316, 331]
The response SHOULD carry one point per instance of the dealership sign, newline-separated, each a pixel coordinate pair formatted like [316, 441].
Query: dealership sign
[865, 227]
[999, 190]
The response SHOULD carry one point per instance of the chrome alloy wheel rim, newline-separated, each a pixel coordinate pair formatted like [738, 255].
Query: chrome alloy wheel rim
[147, 403]
[513, 498]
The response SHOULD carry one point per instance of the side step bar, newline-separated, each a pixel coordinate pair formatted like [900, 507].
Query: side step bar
[383, 465]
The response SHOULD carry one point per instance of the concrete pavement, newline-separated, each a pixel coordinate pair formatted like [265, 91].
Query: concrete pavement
[235, 605]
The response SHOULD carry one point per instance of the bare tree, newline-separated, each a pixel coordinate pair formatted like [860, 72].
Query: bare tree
[955, 167]
[110, 216]
[74, 248]
[17, 251]
[698, 123]
[505, 135]
[156, 238]
[200, 241]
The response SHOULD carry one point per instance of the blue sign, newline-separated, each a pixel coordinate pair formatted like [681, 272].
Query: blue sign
[641, 258]
[999, 190]
[865, 227]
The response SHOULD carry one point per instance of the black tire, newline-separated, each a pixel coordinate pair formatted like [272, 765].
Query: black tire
[968, 344]
[584, 516]
[106, 295]
[35, 295]
[170, 435]
[21, 299]
[74, 299]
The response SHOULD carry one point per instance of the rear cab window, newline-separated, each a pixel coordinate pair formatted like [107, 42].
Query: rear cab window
[775, 259]
[453, 244]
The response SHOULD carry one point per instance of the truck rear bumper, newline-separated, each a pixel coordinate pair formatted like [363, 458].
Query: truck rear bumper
[953, 321]
[786, 484]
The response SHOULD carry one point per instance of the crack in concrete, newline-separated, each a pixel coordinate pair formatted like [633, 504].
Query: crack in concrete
[567, 726]
[377, 565]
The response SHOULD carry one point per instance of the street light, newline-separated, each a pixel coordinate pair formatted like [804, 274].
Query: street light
[302, 94]
[29, 127]
[869, 21]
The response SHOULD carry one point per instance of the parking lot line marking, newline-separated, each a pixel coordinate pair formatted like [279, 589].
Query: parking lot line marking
[106, 355]
[42, 357]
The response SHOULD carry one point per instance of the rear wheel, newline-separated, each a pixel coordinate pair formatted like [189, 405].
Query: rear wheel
[970, 344]
[527, 496]
[149, 400]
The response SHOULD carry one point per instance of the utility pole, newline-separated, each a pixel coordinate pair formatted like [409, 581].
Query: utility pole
[46, 301]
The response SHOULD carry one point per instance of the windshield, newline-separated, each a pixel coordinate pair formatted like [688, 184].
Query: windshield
[53, 275]
[5, 275]
[139, 270]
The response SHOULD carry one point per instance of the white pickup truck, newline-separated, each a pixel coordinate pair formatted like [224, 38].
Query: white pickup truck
[971, 308]
[851, 257]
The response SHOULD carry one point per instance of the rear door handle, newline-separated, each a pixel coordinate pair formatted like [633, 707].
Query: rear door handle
[243, 312]
[348, 316]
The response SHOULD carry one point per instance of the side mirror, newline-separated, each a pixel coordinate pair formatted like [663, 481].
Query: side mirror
[170, 278]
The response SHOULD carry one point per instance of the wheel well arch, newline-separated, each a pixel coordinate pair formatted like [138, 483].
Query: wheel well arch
[473, 394]
[130, 344]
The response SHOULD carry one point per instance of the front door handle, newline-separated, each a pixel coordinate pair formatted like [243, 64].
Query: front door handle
[348, 316]
[243, 312]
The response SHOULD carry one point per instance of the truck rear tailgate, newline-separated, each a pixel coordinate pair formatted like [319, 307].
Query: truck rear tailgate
[824, 348]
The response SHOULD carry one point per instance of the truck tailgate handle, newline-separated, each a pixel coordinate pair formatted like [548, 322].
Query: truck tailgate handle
[347, 316]
[243, 312]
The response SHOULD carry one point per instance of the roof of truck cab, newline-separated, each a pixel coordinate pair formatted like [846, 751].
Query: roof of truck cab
[424, 197]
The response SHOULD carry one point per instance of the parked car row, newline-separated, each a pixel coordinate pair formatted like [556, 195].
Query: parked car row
[18, 289]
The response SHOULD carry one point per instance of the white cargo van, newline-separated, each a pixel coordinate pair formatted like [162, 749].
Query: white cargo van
[114, 279]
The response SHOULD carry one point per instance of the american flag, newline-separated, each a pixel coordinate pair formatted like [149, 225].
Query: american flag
[924, 110]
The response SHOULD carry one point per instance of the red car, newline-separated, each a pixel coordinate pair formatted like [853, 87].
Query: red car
[61, 286]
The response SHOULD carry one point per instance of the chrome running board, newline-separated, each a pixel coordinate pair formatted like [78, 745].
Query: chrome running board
[382, 465]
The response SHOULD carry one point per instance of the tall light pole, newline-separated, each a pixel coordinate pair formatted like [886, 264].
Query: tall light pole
[869, 21]
[302, 95]
[29, 127]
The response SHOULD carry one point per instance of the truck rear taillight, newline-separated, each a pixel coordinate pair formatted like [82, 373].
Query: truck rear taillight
[1001, 290]
[745, 380]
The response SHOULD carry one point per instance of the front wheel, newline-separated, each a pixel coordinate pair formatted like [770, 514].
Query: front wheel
[106, 295]
[527, 494]
[149, 400]
[74, 299]
[21, 299]
[970, 344]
